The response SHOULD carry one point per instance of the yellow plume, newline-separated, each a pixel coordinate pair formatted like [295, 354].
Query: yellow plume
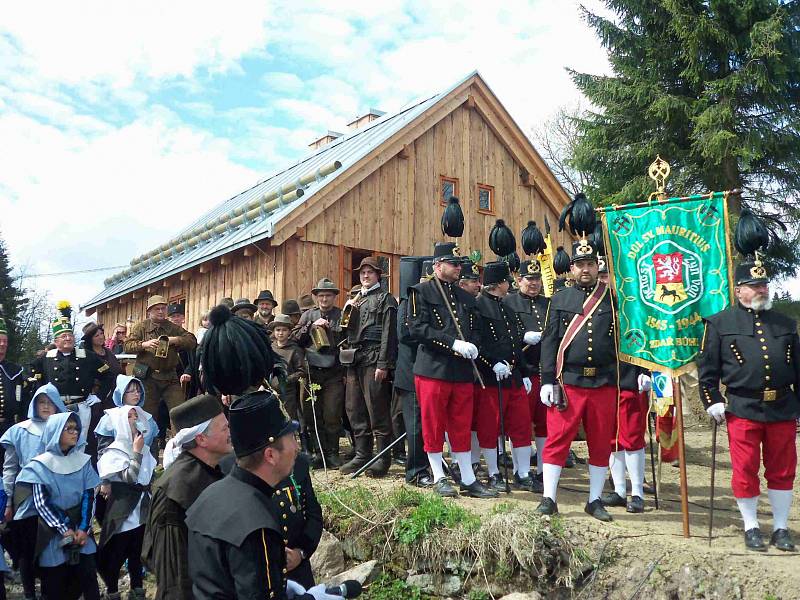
[62, 304]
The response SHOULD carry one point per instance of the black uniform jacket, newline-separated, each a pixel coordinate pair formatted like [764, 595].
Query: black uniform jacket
[77, 374]
[501, 341]
[430, 322]
[629, 376]
[236, 547]
[406, 351]
[590, 360]
[372, 329]
[757, 356]
[532, 312]
[13, 405]
[297, 508]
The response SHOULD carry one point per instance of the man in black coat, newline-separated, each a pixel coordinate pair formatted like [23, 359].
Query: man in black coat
[755, 352]
[235, 557]
[12, 384]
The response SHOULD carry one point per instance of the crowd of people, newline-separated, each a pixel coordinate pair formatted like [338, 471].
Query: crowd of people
[197, 464]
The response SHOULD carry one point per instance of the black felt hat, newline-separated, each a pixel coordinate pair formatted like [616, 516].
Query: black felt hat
[495, 272]
[446, 251]
[530, 268]
[257, 420]
[750, 272]
[583, 249]
[176, 309]
[194, 411]
[469, 270]
[266, 296]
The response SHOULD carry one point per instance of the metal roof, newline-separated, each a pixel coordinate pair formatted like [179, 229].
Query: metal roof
[348, 150]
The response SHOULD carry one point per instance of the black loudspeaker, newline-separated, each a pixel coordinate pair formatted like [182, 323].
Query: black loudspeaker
[410, 272]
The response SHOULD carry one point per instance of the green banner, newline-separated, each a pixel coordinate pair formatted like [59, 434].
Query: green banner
[670, 267]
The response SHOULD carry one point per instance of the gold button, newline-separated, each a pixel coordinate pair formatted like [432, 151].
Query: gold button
[766, 357]
[285, 528]
[589, 348]
[284, 515]
[763, 340]
[590, 340]
[760, 331]
[589, 358]
[285, 571]
[766, 367]
[766, 377]
[283, 503]
[758, 324]
[763, 347]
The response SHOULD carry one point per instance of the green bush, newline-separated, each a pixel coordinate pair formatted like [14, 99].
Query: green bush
[432, 513]
[388, 588]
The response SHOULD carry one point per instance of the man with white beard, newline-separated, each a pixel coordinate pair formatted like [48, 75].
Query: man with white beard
[755, 352]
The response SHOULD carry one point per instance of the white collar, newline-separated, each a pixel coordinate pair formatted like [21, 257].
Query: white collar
[364, 292]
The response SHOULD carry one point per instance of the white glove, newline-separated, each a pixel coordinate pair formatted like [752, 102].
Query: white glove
[645, 383]
[465, 349]
[717, 410]
[318, 592]
[294, 589]
[501, 371]
[532, 337]
[546, 395]
[528, 385]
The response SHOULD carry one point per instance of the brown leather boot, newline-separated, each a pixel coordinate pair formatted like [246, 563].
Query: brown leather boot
[363, 454]
[381, 466]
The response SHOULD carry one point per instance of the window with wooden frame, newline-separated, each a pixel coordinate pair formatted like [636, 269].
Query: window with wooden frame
[485, 199]
[448, 187]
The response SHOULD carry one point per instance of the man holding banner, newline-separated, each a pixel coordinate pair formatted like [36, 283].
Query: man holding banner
[579, 378]
[755, 352]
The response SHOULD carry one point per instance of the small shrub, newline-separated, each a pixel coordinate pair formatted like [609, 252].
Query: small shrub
[432, 513]
[388, 588]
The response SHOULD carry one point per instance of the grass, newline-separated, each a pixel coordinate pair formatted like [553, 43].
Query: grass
[434, 512]
[388, 588]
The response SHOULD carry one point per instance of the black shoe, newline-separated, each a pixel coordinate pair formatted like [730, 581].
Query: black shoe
[529, 484]
[781, 540]
[478, 468]
[649, 489]
[316, 462]
[333, 461]
[496, 482]
[612, 499]
[423, 480]
[596, 509]
[400, 459]
[547, 506]
[754, 541]
[636, 505]
[477, 490]
[444, 488]
[571, 460]
[455, 471]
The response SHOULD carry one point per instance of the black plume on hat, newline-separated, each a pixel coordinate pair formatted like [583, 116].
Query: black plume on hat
[752, 234]
[501, 239]
[532, 239]
[561, 261]
[453, 219]
[513, 262]
[237, 353]
[579, 216]
[596, 238]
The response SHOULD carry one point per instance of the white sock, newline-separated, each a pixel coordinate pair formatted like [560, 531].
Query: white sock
[475, 448]
[749, 509]
[522, 460]
[464, 460]
[781, 502]
[435, 459]
[617, 465]
[634, 461]
[490, 456]
[550, 476]
[597, 477]
[514, 465]
[539, 453]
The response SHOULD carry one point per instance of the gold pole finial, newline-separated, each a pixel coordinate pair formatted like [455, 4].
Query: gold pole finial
[659, 171]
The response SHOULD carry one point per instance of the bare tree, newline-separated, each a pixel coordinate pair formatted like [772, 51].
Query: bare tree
[33, 320]
[556, 140]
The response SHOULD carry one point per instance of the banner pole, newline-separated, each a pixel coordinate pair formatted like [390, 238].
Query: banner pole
[676, 394]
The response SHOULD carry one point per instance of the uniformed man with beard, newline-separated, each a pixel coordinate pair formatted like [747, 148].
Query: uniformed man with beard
[755, 352]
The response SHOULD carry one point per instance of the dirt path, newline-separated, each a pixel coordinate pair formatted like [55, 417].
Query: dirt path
[651, 558]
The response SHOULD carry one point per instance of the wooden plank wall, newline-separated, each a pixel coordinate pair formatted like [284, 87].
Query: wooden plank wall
[396, 209]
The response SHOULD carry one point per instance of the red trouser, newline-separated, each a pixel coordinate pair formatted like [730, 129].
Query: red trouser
[597, 409]
[444, 406]
[537, 409]
[476, 402]
[516, 417]
[746, 438]
[631, 421]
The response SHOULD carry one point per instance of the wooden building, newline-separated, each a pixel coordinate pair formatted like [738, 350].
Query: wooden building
[377, 190]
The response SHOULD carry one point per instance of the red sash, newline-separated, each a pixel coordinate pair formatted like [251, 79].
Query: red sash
[578, 321]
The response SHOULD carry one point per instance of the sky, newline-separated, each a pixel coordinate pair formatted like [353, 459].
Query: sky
[121, 123]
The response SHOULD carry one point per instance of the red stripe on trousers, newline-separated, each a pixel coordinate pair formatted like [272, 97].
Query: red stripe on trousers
[445, 406]
[746, 439]
[597, 409]
[516, 417]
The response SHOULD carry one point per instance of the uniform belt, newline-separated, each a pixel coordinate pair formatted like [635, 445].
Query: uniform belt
[766, 395]
[587, 371]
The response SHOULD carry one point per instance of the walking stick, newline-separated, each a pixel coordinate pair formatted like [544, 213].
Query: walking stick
[652, 457]
[458, 329]
[502, 434]
[713, 473]
[378, 455]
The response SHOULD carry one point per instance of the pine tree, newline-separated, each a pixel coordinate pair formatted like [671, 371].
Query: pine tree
[713, 87]
[13, 303]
